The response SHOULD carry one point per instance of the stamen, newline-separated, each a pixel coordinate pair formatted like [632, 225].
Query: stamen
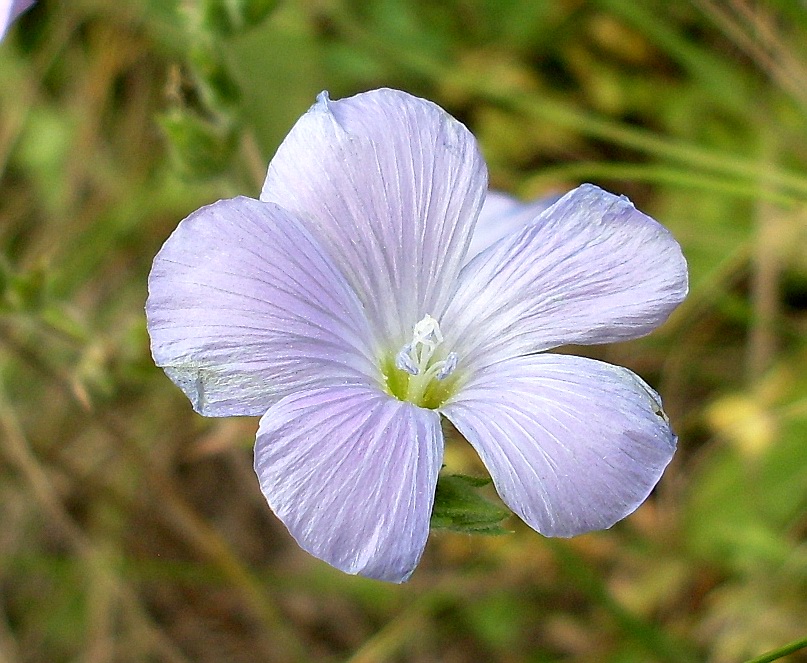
[415, 358]
[447, 366]
[403, 360]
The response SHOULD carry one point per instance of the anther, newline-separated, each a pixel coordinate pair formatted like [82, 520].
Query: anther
[448, 366]
[403, 360]
[415, 357]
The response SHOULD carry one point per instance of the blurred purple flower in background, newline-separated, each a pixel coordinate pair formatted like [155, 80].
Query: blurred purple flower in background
[502, 214]
[9, 11]
[343, 309]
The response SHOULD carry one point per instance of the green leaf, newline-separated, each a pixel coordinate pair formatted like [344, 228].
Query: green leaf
[215, 84]
[228, 17]
[459, 507]
[26, 291]
[284, 52]
[201, 148]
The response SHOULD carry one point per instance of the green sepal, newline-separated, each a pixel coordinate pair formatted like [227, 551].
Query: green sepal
[459, 507]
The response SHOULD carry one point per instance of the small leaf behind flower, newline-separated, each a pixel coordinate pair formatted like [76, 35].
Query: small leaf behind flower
[224, 18]
[459, 507]
[201, 148]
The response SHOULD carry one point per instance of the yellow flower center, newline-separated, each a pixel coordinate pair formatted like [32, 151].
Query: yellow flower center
[418, 373]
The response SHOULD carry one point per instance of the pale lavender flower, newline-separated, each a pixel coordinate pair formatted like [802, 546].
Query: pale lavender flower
[342, 309]
[9, 11]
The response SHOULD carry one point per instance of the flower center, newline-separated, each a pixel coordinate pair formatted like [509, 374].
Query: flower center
[417, 375]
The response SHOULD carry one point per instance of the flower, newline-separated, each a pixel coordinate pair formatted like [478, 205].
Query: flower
[341, 308]
[9, 11]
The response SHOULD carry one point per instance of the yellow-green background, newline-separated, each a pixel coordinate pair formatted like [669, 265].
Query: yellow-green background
[132, 529]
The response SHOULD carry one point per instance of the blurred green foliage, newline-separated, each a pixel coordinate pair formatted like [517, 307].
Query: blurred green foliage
[133, 530]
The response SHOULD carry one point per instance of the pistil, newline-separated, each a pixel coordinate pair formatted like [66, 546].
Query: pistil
[415, 358]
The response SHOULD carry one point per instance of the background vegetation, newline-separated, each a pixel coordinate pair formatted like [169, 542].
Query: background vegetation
[132, 529]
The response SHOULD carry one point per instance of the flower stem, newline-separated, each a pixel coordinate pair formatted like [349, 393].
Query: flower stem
[776, 654]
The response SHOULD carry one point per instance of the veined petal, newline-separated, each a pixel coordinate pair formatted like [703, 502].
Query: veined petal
[501, 215]
[391, 185]
[590, 269]
[352, 473]
[572, 444]
[245, 307]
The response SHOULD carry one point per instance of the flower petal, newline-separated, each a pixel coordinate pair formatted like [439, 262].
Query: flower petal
[572, 444]
[352, 473]
[590, 269]
[501, 215]
[391, 185]
[245, 307]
